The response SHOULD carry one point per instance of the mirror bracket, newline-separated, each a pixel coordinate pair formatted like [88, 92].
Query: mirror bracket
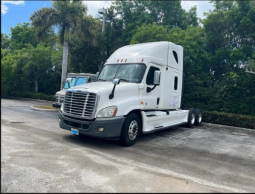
[115, 82]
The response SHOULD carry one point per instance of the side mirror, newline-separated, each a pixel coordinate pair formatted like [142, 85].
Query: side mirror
[156, 80]
[116, 81]
[69, 80]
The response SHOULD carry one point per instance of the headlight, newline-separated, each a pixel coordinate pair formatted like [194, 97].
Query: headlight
[62, 107]
[108, 112]
[56, 96]
[61, 98]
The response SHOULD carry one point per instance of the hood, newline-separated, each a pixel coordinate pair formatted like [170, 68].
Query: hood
[61, 92]
[105, 87]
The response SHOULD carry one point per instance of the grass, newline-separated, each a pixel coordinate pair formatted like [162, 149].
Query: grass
[45, 107]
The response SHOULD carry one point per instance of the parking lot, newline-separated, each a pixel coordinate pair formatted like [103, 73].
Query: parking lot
[38, 156]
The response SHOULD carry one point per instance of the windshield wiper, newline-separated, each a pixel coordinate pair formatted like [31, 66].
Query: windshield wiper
[125, 80]
[101, 80]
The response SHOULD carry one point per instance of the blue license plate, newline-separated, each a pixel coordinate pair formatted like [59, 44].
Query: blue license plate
[75, 131]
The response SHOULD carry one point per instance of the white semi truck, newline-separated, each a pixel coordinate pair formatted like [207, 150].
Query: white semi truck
[139, 90]
[73, 79]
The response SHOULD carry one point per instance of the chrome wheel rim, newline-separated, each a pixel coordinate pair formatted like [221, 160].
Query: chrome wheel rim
[199, 117]
[133, 130]
[192, 118]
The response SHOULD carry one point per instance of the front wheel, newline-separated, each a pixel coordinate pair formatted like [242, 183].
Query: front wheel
[130, 130]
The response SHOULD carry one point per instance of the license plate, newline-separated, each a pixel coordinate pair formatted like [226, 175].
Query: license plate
[75, 131]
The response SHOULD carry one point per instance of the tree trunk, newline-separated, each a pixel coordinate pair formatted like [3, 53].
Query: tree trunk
[64, 64]
[36, 86]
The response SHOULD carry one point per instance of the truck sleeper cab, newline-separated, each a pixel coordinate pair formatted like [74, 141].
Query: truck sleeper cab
[139, 90]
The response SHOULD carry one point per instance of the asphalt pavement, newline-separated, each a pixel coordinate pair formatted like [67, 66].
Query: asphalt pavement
[38, 156]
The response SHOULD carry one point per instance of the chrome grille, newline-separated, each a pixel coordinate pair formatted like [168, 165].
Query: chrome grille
[78, 103]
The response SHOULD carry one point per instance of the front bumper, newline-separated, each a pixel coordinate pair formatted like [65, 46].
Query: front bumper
[56, 105]
[112, 126]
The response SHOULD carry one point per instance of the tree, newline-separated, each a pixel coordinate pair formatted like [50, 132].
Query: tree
[22, 35]
[167, 13]
[64, 15]
[230, 35]
[150, 33]
[250, 68]
[38, 62]
[5, 41]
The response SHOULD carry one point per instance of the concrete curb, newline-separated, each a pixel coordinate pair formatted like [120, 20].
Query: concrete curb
[41, 109]
[224, 126]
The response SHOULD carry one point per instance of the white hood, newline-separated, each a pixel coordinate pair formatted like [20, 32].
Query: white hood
[61, 92]
[105, 87]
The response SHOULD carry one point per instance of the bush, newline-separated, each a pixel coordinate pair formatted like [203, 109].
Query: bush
[235, 120]
[33, 95]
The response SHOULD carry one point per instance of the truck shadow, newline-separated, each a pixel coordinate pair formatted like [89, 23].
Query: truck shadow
[93, 142]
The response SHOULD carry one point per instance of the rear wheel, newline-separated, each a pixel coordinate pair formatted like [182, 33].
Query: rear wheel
[198, 117]
[130, 130]
[191, 118]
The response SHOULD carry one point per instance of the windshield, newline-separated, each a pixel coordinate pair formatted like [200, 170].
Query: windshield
[71, 84]
[126, 72]
[81, 80]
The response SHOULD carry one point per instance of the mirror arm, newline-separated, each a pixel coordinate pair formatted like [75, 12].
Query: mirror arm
[115, 81]
[112, 94]
[150, 89]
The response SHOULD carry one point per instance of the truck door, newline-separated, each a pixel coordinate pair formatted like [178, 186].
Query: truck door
[151, 99]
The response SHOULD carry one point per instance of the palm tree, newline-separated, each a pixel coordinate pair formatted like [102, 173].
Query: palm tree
[64, 15]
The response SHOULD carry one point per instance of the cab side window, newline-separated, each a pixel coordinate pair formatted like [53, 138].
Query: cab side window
[150, 76]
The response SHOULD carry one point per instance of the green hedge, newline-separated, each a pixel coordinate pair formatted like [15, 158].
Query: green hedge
[235, 120]
[33, 95]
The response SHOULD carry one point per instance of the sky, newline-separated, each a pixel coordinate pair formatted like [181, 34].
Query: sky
[17, 11]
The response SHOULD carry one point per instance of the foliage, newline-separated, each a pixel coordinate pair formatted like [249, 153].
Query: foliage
[37, 66]
[236, 120]
[219, 71]
[65, 15]
[150, 33]
[5, 41]
[40, 96]
[134, 14]
[250, 67]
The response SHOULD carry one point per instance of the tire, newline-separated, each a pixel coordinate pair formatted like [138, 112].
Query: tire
[198, 117]
[130, 130]
[191, 118]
